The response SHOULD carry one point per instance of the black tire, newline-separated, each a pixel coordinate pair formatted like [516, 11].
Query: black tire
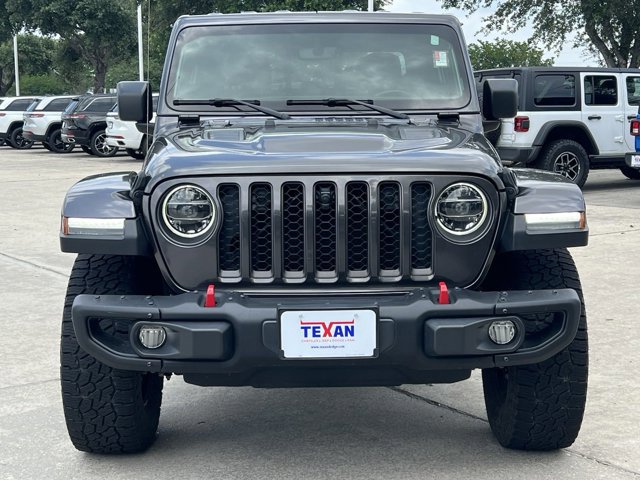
[56, 144]
[86, 149]
[46, 146]
[99, 145]
[568, 158]
[539, 406]
[630, 173]
[107, 410]
[138, 155]
[16, 140]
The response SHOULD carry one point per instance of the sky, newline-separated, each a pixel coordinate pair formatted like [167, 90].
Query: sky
[472, 23]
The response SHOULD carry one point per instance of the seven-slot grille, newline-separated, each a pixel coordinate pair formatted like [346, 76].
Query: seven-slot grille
[325, 231]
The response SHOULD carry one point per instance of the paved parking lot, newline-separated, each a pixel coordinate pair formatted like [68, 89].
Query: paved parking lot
[409, 432]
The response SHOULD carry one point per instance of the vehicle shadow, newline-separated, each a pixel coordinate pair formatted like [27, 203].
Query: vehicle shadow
[327, 433]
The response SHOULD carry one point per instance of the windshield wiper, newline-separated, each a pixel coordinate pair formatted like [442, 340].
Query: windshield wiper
[232, 102]
[342, 102]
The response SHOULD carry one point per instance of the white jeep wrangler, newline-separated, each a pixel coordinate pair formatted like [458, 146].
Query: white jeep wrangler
[569, 120]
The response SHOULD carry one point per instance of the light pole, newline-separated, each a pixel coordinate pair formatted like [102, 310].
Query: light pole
[140, 46]
[15, 61]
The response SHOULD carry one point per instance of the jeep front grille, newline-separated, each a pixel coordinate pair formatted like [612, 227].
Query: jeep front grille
[325, 231]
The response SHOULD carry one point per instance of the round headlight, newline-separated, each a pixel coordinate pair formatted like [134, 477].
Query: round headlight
[188, 211]
[461, 209]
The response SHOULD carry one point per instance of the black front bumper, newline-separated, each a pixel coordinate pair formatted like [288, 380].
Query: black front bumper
[237, 342]
[29, 135]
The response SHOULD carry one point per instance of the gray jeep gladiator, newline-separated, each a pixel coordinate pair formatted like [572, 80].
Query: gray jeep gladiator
[320, 207]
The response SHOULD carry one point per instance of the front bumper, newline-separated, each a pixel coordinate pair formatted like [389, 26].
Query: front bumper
[237, 342]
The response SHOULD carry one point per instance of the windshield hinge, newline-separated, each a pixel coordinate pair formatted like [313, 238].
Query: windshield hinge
[189, 120]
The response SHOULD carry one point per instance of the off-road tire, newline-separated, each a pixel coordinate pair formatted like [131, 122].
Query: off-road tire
[630, 173]
[107, 410]
[571, 152]
[539, 406]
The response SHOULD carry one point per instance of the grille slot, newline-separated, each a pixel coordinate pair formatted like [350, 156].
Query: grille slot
[390, 228]
[357, 227]
[326, 216]
[421, 234]
[229, 236]
[308, 231]
[261, 228]
[293, 228]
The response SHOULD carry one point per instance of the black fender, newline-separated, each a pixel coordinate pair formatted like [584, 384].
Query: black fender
[105, 196]
[541, 137]
[539, 191]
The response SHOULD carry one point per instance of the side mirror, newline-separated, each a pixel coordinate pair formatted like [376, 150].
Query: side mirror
[134, 102]
[499, 98]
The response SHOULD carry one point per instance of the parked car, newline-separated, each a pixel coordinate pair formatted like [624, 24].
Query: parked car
[43, 123]
[85, 125]
[569, 120]
[11, 120]
[320, 208]
[127, 135]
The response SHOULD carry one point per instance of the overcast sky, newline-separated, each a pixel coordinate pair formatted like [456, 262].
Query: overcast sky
[471, 24]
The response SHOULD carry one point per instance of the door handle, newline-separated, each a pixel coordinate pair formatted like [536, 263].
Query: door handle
[594, 117]
[631, 117]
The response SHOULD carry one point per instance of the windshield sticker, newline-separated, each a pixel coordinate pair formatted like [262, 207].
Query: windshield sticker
[435, 40]
[440, 59]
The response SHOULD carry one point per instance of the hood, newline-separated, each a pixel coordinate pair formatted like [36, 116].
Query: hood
[320, 149]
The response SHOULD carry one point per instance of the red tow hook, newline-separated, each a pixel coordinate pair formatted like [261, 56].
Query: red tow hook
[443, 298]
[210, 298]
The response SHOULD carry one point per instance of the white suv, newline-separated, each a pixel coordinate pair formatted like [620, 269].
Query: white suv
[569, 119]
[44, 123]
[11, 111]
[126, 135]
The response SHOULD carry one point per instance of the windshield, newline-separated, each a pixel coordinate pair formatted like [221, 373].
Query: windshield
[400, 66]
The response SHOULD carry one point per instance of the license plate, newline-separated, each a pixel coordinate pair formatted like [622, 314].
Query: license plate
[328, 333]
[635, 160]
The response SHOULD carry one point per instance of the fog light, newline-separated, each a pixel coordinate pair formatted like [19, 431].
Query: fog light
[151, 336]
[502, 331]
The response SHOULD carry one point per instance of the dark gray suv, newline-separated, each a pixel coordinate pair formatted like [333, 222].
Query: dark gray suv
[86, 122]
[320, 207]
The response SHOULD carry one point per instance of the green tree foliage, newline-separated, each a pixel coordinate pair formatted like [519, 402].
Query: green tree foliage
[95, 31]
[35, 57]
[610, 28]
[506, 53]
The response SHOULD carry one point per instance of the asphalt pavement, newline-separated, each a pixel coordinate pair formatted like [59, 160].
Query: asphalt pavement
[425, 432]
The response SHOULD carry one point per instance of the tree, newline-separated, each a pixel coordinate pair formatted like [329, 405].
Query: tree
[94, 31]
[6, 30]
[506, 53]
[35, 55]
[610, 28]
